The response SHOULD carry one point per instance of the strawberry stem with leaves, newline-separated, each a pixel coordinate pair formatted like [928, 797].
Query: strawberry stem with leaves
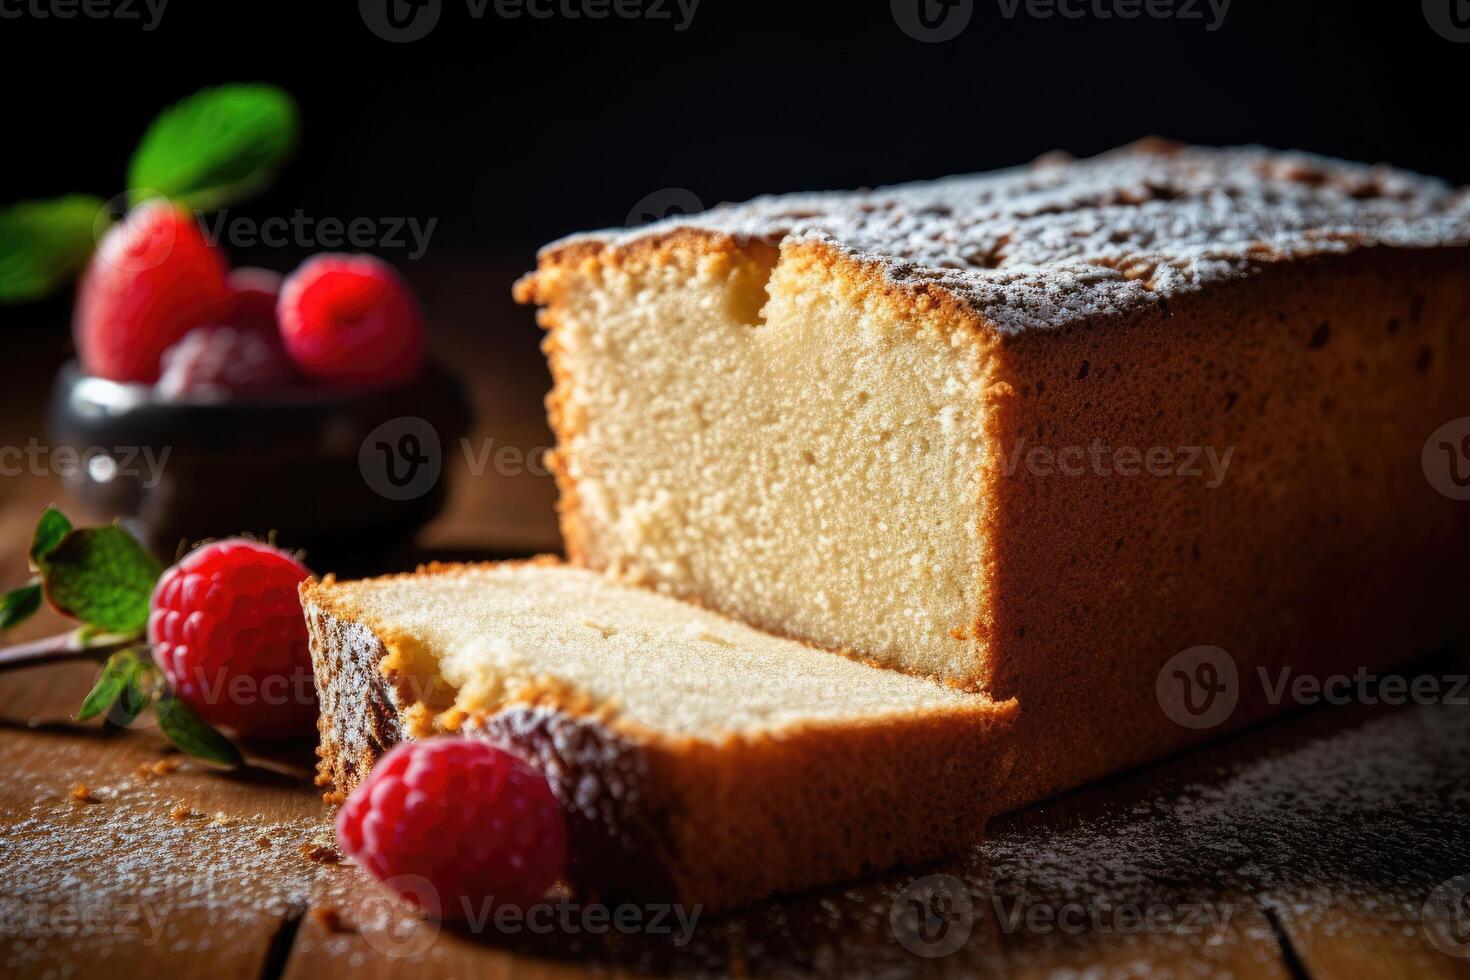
[103, 578]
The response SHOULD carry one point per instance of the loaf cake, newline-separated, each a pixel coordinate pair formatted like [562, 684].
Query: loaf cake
[698, 760]
[1034, 433]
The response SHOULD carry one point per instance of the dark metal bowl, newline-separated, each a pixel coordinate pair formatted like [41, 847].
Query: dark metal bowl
[343, 474]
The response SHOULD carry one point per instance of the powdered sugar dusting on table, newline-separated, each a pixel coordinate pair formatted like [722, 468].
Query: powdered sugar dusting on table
[1061, 239]
[144, 863]
[1365, 821]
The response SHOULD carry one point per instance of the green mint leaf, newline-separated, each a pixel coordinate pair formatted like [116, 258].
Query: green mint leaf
[189, 732]
[109, 686]
[103, 577]
[43, 244]
[215, 147]
[19, 605]
[50, 529]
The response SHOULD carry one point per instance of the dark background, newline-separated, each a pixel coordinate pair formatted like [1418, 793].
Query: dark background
[511, 132]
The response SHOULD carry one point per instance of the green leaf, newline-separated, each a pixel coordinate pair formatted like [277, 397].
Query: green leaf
[103, 577]
[110, 684]
[43, 244]
[215, 147]
[189, 732]
[19, 605]
[140, 684]
[50, 529]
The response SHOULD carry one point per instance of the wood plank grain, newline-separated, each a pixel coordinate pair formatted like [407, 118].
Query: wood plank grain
[1226, 936]
[1335, 942]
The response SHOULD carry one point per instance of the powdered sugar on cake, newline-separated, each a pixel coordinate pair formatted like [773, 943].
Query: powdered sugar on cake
[1065, 239]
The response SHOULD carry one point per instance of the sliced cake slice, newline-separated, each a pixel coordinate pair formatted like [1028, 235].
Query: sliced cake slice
[699, 760]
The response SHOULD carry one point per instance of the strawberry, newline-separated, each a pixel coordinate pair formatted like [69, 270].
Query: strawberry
[153, 278]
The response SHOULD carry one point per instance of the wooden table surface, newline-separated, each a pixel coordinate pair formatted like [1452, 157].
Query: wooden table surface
[1310, 847]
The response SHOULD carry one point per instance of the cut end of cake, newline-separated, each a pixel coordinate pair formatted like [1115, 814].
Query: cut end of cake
[465, 642]
[810, 463]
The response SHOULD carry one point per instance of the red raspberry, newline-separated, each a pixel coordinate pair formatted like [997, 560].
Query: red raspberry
[152, 280]
[350, 319]
[471, 819]
[256, 294]
[217, 362]
[227, 630]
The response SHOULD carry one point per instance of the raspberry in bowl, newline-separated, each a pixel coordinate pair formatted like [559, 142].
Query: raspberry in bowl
[207, 402]
[350, 319]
